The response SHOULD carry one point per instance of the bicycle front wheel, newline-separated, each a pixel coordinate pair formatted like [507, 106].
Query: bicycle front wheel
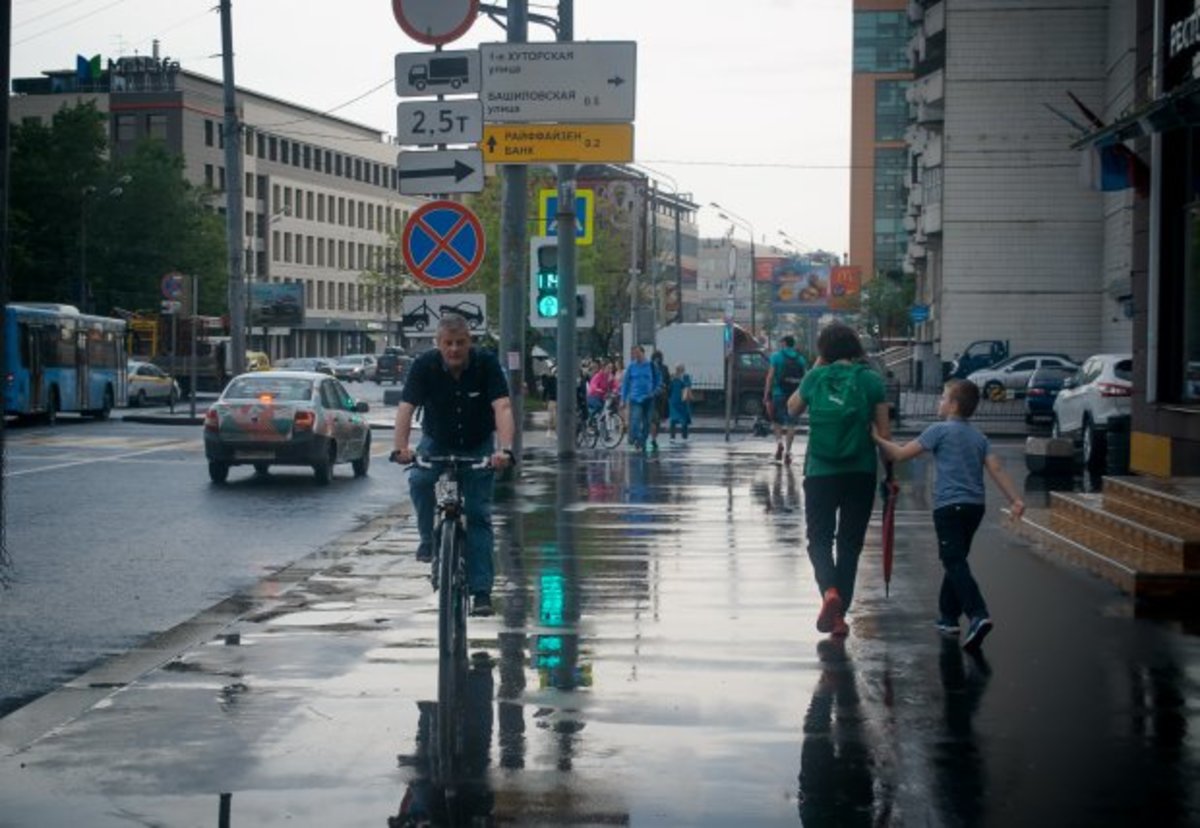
[586, 435]
[452, 645]
[612, 430]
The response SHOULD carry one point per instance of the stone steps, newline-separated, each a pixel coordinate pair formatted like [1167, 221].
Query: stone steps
[1142, 535]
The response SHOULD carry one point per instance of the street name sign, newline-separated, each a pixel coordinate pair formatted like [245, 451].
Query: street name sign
[557, 143]
[442, 244]
[568, 81]
[440, 171]
[432, 73]
[435, 21]
[439, 122]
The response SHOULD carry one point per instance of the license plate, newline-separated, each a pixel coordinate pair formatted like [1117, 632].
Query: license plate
[255, 455]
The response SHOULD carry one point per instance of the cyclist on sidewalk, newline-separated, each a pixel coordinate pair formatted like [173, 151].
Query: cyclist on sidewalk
[783, 379]
[465, 398]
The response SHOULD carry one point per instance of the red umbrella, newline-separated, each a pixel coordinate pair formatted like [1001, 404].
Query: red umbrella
[889, 489]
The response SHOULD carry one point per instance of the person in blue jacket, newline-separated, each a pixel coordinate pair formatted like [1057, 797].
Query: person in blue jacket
[637, 394]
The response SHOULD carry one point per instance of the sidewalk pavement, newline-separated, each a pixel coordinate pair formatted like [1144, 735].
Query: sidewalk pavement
[653, 662]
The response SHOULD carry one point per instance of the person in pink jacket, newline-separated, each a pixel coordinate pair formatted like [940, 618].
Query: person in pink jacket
[602, 384]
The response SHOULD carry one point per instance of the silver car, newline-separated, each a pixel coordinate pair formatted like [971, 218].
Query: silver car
[1010, 377]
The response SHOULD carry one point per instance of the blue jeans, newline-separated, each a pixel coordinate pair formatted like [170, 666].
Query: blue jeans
[639, 420]
[476, 491]
[960, 595]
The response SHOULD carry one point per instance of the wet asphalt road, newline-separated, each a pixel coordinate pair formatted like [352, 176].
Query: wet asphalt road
[654, 662]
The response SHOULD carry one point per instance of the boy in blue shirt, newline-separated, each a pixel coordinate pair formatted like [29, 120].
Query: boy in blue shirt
[960, 455]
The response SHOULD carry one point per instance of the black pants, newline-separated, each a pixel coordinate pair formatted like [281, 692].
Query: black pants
[956, 525]
[837, 507]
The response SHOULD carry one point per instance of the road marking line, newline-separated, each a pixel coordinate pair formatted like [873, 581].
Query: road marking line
[84, 462]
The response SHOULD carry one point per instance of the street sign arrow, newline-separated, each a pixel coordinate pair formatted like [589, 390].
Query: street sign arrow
[459, 171]
[617, 81]
[443, 171]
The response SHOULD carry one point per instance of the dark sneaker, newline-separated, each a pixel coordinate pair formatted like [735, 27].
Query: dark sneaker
[424, 554]
[653, 446]
[481, 605]
[787, 459]
[947, 626]
[978, 630]
[831, 611]
[779, 453]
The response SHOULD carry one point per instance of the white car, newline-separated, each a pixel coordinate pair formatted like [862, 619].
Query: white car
[1101, 389]
[149, 383]
[1010, 377]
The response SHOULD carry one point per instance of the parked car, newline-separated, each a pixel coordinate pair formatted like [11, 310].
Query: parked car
[1011, 376]
[283, 418]
[1101, 389]
[1041, 390]
[149, 383]
[355, 368]
[317, 365]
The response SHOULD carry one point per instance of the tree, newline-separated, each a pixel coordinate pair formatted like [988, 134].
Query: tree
[388, 279]
[885, 304]
[127, 220]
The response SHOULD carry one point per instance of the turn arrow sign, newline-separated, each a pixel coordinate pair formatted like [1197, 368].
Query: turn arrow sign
[441, 171]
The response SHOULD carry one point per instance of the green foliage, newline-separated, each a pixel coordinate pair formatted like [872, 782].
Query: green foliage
[885, 305]
[132, 219]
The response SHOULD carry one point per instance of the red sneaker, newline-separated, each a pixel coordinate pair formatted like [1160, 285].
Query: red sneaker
[840, 628]
[831, 611]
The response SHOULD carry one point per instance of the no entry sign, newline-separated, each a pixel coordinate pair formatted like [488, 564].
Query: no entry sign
[435, 21]
[442, 244]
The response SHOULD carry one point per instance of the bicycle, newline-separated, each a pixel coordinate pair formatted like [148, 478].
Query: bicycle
[448, 575]
[608, 425]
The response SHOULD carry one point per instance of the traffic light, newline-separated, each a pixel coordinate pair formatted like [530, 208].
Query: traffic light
[544, 284]
[543, 263]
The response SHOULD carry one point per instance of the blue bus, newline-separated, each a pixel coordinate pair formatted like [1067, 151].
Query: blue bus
[58, 359]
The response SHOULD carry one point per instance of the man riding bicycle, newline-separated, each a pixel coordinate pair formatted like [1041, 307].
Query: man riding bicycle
[465, 397]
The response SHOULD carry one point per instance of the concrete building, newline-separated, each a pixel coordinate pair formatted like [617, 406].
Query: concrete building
[320, 193]
[1006, 241]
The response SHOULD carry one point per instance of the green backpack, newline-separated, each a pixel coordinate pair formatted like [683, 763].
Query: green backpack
[839, 415]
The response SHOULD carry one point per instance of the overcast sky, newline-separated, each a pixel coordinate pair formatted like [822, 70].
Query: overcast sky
[743, 103]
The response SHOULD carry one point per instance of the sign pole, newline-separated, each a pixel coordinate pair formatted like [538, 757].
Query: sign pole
[568, 369]
[174, 348]
[192, 367]
[513, 214]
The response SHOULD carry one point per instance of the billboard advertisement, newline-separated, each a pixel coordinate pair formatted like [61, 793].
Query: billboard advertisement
[845, 289]
[800, 286]
[276, 304]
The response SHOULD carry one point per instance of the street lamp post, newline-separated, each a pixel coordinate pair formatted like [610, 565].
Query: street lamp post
[729, 215]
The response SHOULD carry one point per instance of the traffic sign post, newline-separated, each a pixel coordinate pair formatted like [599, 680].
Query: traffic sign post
[566, 81]
[442, 244]
[435, 21]
[558, 143]
[440, 171]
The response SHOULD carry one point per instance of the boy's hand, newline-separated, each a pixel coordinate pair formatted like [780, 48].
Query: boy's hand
[1018, 508]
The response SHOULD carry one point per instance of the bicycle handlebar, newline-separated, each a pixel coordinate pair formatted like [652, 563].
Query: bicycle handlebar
[427, 462]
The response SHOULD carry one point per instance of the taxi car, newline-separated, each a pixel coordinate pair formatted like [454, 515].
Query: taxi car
[286, 418]
[147, 382]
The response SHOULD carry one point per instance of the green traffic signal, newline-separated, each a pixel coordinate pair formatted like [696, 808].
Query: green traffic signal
[547, 282]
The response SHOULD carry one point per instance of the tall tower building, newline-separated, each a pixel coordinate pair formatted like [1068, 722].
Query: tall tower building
[879, 118]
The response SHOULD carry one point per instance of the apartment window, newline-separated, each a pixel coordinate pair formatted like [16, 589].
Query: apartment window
[299, 203]
[320, 252]
[387, 213]
[350, 256]
[208, 176]
[284, 145]
[317, 155]
[308, 204]
[881, 41]
[273, 149]
[221, 179]
[287, 201]
[275, 245]
[337, 164]
[295, 154]
[341, 259]
[341, 210]
[287, 247]
[341, 293]
[358, 176]
[361, 218]
[156, 126]
[248, 224]
[891, 110]
[307, 157]
[320, 294]
[249, 141]
[260, 225]
[261, 141]
[320, 206]
[328, 161]
[249, 185]
[261, 258]
[208, 133]
[308, 250]
[308, 293]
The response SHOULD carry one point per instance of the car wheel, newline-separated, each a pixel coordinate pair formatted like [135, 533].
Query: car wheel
[1094, 447]
[364, 462]
[750, 405]
[140, 399]
[994, 391]
[324, 469]
[262, 468]
[218, 472]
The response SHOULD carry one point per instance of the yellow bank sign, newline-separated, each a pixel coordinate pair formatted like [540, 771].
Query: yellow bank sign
[557, 143]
